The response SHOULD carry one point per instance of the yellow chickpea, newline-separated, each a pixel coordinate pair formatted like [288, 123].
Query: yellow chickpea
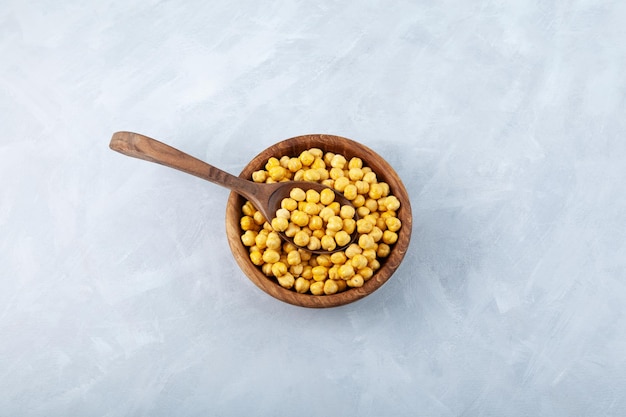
[277, 173]
[327, 196]
[294, 165]
[249, 238]
[355, 174]
[248, 209]
[280, 224]
[320, 273]
[342, 238]
[312, 196]
[346, 271]
[374, 264]
[324, 174]
[289, 204]
[335, 173]
[273, 241]
[289, 247]
[350, 192]
[307, 272]
[366, 242]
[358, 201]
[266, 269]
[317, 152]
[364, 226]
[335, 223]
[356, 281]
[383, 250]
[349, 225]
[328, 242]
[317, 288]
[371, 218]
[385, 188]
[286, 281]
[353, 250]
[319, 233]
[284, 213]
[341, 183]
[359, 261]
[338, 258]
[355, 163]
[328, 157]
[247, 223]
[370, 177]
[312, 175]
[370, 254]
[362, 211]
[296, 270]
[338, 161]
[324, 260]
[271, 256]
[301, 238]
[305, 255]
[316, 223]
[298, 194]
[302, 285]
[390, 237]
[294, 258]
[258, 218]
[272, 162]
[376, 191]
[300, 218]
[326, 213]
[371, 204]
[311, 209]
[314, 243]
[362, 187]
[299, 175]
[306, 158]
[259, 176]
[279, 269]
[333, 272]
[393, 224]
[292, 229]
[330, 287]
[366, 272]
[261, 239]
[256, 257]
[318, 163]
[335, 207]
[347, 212]
[376, 234]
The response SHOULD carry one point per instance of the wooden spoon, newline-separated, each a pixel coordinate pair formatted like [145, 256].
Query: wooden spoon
[265, 197]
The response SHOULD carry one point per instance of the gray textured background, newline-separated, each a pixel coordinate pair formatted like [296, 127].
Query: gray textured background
[118, 293]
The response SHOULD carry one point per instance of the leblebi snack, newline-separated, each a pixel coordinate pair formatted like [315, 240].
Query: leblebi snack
[380, 214]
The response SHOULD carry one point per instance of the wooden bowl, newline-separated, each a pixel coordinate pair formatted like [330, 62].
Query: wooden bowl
[348, 148]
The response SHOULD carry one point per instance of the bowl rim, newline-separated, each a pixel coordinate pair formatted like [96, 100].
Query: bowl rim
[384, 172]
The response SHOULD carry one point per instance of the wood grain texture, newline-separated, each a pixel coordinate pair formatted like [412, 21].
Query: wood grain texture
[266, 198]
[349, 148]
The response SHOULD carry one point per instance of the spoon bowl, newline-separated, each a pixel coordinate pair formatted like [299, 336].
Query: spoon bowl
[266, 198]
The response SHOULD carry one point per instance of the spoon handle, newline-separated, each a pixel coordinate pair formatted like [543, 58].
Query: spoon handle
[148, 149]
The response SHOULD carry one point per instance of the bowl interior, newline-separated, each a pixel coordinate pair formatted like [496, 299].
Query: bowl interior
[348, 148]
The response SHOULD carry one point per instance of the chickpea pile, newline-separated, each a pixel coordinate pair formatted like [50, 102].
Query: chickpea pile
[315, 220]
[293, 265]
